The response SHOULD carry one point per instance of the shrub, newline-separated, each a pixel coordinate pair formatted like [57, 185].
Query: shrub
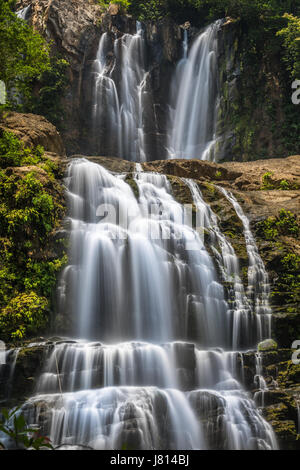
[25, 314]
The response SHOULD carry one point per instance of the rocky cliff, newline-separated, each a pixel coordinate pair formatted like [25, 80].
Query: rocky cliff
[255, 115]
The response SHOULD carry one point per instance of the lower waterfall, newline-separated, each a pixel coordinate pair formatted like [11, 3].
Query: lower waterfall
[159, 367]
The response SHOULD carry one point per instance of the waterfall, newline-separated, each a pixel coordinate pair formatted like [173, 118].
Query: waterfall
[157, 368]
[119, 93]
[194, 114]
[258, 279]
[250, 325]
[23, 13]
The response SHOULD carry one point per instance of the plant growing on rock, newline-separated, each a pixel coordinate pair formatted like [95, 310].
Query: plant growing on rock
[30, 210]
[13, 425]
[24, 315]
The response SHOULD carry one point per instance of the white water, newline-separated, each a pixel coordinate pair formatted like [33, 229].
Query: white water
[194, 113]
[250, 325]
[258, 279]
[139, 288]
[175, 287]
[118, 110]
[106, 108]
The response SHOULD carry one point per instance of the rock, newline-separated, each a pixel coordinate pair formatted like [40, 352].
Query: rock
[113, 9]
[33, 130]
[267, 345]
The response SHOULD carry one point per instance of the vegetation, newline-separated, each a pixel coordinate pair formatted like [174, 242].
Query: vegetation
[285, 224]
[30, 209]
[286, 263]
[13, 425]
[283, 185]
[291, 42]
[35, 82]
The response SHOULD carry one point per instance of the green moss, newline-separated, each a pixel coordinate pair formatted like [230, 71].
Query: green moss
[129, 180]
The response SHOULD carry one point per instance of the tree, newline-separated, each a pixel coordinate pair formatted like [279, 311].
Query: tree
[24, 54]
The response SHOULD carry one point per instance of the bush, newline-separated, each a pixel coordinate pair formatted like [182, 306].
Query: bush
[30, 210]
[24, 54]
[24, 315]
[291, 43]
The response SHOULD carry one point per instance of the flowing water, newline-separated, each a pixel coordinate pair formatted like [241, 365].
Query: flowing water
[122, 98]
[119, 95]
[144, 291]
[195, 99]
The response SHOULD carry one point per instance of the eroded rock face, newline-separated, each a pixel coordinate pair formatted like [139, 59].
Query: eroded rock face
[33, 130]
[75, 28]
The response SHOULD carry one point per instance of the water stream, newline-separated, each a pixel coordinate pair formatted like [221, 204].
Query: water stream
[158, 368]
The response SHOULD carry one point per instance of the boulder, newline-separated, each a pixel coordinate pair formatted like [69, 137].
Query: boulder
[267, 345]
[33, 130]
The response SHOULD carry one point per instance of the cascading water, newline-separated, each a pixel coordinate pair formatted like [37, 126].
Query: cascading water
[194, 112]
[23, 13]
[151, 282]
[118, 110]
[246, 320]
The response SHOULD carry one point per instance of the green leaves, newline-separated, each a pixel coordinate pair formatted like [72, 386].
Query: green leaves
[291, 42]
[29, 212]
[24, 54]
[14, 426]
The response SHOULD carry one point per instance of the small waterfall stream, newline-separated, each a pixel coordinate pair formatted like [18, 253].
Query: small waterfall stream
[158, 368]
[194, 111]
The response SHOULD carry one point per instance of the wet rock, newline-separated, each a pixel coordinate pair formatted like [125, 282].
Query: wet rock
[267, 345]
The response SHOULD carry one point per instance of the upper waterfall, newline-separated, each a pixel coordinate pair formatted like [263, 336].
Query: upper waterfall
[195, 94]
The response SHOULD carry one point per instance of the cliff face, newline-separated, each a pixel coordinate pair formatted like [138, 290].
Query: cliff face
[254, 90]
[75, 28]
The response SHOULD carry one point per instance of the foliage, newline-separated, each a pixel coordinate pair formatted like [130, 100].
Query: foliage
[24, 54]
[52, 87]
[14, 153]
[24, 315]
[204, 11]
[291, 42]
[13, 425]
[35, 82]
[283, 185]
[267, 181]
[30, 209]
[285, 224]
[123, 4]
